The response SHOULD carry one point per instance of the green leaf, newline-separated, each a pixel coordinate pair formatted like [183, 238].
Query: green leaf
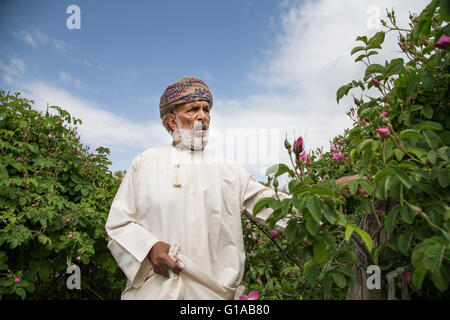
[377, 39]
[311, 272]
[348, 231]
[364, 144]
[440, 279]
[407, 215]
[390, 220]
[21, 292]
[445, 10]
[352, 154]
[362, 38]
[366, 186]
[427, 111]
[330, 214]
[357, 49]
[366, 238]
[419, 152]
[404, 241]
[403, 178]
[443, 153]
[374, 68]
[342, 91]
[320, 251]
[410, 134]
[399, 154]
[322, 190]
[432, 156]
[396, 66]
[431, 138]
[314, 206]
[339, 279]
[311, 225]
[418, 276]
[432, 259]
[277, 169]
[419, 252]
[3, 257]
[361, 57]
[429, 125]
[261, 204]
[353, 186]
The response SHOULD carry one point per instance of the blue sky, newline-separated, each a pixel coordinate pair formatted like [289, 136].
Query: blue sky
[270, 64]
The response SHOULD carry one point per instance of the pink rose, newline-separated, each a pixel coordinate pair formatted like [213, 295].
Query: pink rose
[36, 172]
[68, 220]
[17, 280]
[303, 156]
[337, 157]
[19, 159]
[85, 164]
[408, 276]
[78, 258]
[383, 131]
[298, 146]
[69, 236]
[274, 233]
[444, 42]
[251, 296]
[375, 82]
[332, 149]
[25, 175]
[384, 113]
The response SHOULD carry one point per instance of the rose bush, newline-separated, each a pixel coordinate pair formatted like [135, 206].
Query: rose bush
[398, 146]
[54, 200]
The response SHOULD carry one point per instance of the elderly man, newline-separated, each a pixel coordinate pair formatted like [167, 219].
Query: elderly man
[175, 223]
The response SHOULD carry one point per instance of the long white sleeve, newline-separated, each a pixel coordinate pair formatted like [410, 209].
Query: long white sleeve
[129, 241]
[255, 191]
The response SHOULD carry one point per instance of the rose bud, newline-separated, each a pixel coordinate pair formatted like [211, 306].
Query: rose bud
[383, 131]
[444, 42]
[298, 146]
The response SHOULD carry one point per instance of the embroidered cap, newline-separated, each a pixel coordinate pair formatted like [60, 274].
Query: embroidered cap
[188, 89]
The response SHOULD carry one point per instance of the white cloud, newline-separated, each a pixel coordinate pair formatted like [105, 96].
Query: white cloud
[25, 36]
[37, 37]
[308, 61]
[15, 67]
[64, 77]
[99, 127]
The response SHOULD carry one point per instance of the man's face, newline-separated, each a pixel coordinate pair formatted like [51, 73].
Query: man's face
[191, 123]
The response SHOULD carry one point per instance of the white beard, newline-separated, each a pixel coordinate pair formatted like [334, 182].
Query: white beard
[188, 138]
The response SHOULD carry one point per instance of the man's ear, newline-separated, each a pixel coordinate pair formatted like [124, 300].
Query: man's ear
[170, 118]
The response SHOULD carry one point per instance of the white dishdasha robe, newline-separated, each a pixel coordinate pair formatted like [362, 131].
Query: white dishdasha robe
[192, 201]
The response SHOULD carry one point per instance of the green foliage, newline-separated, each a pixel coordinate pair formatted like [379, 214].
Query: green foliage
[406, 166]
[54, 200]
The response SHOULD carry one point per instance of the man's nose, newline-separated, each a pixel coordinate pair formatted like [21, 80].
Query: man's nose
[202, 115]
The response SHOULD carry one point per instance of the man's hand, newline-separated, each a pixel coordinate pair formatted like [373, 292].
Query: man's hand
[159, 257]
[346, 179]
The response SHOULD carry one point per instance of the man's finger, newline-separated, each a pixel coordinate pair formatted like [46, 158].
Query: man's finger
[175, 267]
[172, 265]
